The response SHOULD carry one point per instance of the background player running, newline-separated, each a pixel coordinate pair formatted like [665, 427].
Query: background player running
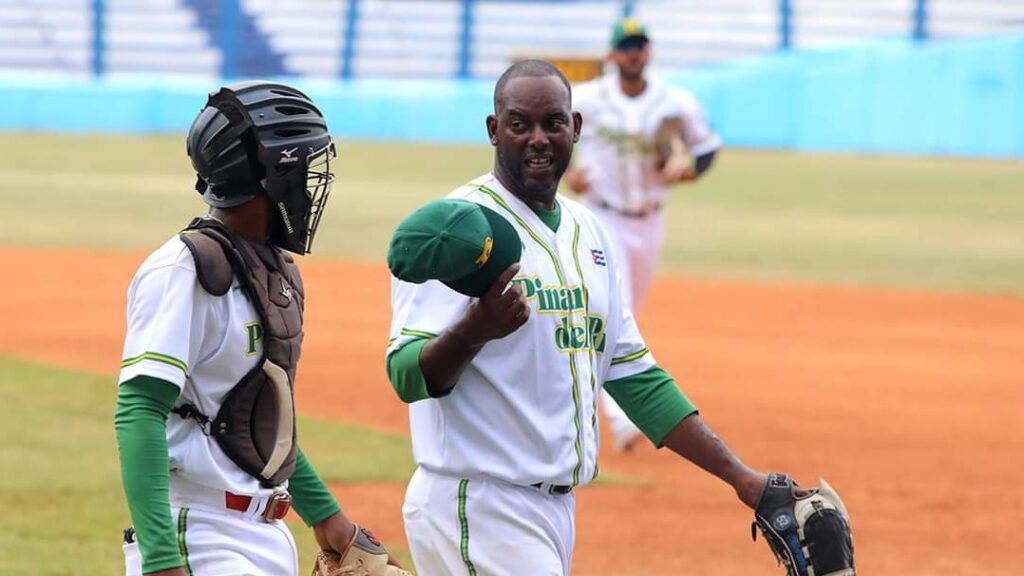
[624, 177]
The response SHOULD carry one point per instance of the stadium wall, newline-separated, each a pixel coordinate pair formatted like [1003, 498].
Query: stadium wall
[959, 97]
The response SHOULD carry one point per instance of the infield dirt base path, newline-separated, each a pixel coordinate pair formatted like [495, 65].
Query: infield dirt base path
[911, 404]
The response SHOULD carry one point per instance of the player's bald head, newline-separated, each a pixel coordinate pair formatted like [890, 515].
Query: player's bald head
[528, 69]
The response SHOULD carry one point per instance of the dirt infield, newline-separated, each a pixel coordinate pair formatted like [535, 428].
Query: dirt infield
[910, 404]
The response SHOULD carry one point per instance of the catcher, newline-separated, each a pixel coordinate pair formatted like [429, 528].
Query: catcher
[210, 459]
[640, 137]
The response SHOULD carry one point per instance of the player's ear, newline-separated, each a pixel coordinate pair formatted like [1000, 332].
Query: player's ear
[492, 129]
[577, 121]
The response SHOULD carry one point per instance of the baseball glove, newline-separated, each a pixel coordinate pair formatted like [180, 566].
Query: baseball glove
[365, 556]
[672, 157]
[809, 535]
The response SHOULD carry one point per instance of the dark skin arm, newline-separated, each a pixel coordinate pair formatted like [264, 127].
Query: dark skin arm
[497, 314]
[693, 440]
[335, 533]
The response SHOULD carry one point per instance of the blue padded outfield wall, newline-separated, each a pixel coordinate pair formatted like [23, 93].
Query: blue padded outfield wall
[962, 97]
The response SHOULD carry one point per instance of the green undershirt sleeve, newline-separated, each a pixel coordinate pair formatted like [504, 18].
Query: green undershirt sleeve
[310, 496]
[652, 401]
[405, 373]
[143, 404]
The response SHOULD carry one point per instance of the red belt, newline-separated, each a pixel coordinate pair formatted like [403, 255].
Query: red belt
[277, 506]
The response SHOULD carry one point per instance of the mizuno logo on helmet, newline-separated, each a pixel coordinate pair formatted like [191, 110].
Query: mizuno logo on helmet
[286, 156]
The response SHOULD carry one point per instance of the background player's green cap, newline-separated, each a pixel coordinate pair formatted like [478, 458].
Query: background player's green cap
[628, 28]
[461, 243]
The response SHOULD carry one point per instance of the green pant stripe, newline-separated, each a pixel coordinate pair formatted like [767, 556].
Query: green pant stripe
[464, 528]
[182, 547]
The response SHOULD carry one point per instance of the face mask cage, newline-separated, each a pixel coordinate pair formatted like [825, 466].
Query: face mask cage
[319, 181]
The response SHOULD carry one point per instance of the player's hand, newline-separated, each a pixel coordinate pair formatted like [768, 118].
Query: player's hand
[576, 180]
[335, 533]
[677, 168]
[497, 313]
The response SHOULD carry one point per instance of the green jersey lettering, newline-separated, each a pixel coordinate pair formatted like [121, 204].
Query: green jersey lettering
[574, 337]
[254, 331]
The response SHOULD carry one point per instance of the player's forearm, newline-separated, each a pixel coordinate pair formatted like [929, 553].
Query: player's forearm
[693, 440]
[310, 496]
[443, 359]
[140, 422]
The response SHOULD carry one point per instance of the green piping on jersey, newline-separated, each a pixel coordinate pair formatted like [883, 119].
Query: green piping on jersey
[630, 357]
[586, 309]
[501, 201]
[156, 357]
[182, 547]
[572, 354]
[417, 334]
[464, 528]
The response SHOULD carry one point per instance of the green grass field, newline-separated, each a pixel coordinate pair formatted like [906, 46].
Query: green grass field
[63, 483]
[938, 224]
[65, 509]
[946, 224]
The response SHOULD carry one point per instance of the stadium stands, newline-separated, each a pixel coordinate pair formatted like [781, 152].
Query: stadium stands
[444, 38]
[47, 36]
[151, 36]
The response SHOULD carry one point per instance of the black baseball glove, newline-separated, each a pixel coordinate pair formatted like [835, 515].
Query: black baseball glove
[809, 535]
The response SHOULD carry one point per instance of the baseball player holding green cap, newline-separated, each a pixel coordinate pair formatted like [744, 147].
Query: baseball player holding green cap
[623, 175]
[508, 319]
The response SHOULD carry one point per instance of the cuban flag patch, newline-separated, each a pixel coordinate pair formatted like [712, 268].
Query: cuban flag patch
[598, 256]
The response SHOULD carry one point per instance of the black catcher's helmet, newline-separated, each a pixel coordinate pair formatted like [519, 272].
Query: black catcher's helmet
[262, 137]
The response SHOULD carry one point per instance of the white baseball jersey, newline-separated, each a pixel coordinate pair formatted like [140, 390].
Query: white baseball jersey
[203, 344]
[524, 411]
[616, 143]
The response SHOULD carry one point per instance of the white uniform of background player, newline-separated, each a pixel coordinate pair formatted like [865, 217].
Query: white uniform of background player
[618, 172]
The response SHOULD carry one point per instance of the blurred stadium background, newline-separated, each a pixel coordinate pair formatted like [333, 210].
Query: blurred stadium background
[445, 38]
[868, 143]
[903, 76]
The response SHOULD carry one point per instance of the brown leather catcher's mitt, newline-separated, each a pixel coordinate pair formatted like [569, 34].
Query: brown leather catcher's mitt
[365, 556]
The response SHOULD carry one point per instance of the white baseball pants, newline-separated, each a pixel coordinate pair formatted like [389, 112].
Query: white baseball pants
[487, 527]
[216, 541]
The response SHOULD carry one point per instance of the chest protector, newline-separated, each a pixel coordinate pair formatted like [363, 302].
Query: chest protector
[255, 426]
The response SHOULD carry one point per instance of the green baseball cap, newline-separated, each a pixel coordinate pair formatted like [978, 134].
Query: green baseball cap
[461, 243]
[628, 28]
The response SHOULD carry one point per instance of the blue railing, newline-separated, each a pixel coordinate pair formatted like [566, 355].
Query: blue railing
[234, 30]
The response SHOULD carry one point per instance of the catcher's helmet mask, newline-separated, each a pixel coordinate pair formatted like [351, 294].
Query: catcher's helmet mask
[262, 137]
